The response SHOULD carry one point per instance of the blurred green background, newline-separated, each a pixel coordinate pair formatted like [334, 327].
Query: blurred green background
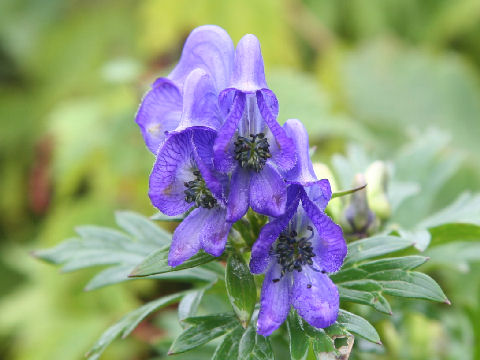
[378, 73]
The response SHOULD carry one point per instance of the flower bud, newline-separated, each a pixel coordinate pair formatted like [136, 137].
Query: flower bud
[377, 180]
[358, 220]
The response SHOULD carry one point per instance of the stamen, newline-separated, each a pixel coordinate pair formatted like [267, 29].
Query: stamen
[252, 153]
[292, 253]
[197, 192]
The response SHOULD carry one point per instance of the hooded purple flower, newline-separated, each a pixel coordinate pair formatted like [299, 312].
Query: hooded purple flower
[207, 47]
[297, 249]
[302, 174]
[251, 144]
[183, 176]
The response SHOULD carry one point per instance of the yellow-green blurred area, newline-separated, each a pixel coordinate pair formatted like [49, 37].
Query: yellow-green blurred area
[374, 72]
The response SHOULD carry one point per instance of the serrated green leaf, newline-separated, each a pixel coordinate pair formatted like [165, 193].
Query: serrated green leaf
[373, 247]
[373, 299]
[402, 263]
[189, 304]
[228, 348]
[409, 284]
[141, 228]
[102, 233]
[203, 330]
[363, 285]
[157, 263]
[358, 326]
[299, 342]
[347, 274]
[187, 275]
[129, 322]
[253, 346]
[241, 288]
[466, 209]
[457, 232]
[362, 271]
[109, 276]
[75, 254]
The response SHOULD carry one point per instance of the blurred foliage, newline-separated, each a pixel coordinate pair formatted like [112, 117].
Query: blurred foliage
[396, 77]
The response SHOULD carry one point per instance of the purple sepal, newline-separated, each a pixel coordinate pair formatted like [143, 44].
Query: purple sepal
[274, 300]
[159, 112]
[315, 297]
[210, 48]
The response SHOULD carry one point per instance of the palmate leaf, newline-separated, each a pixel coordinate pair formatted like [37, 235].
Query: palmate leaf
[374, 247]
[202, 330]
[367, 282]
[157, 263]
[123, 252]
[128, 323]
[358, 326]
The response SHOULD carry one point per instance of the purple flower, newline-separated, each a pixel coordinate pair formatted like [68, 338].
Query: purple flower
[297, 249]
[251, 144]
[183, 176]
[302, 174]
[209, 48]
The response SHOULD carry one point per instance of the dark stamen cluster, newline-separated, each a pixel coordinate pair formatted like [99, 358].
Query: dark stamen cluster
[253, 152]
[198, 192]
[292, 253]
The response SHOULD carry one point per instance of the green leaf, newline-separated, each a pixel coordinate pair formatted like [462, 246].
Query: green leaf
[358, 326]
[109, 276]
[228, 348]
[129, 322]
[409, 284]
[373, 247]
[189, 304]
[253, 346]
[203, 330]
[374, 299]
[466, 209]
[241, 288]
[141, 228]
[299, 342]
[157, 263]
[188, 275]
[403, 263]
[454, 232]
[321, 341]
[96, 246]
[363, 285]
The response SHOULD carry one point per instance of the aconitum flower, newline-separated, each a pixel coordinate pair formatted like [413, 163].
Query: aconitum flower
[251, 144]
[207, 47]
[183, 177]
[297, 249]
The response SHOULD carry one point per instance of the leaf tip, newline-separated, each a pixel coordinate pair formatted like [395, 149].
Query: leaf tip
[379, 343]
[447, 302]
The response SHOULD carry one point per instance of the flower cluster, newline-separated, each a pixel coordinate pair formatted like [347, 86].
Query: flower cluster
[212, 125]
